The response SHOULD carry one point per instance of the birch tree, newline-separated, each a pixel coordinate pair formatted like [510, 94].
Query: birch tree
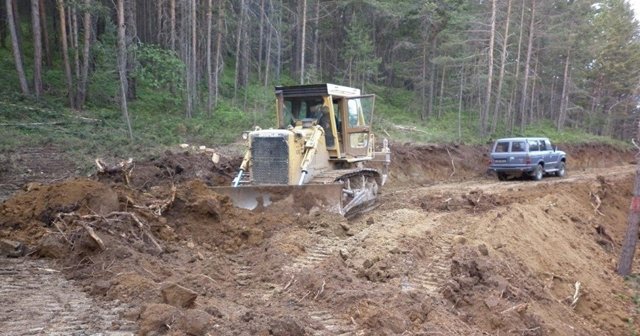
[65, 52]
[15, 46]
[122, 66]
[37, 48]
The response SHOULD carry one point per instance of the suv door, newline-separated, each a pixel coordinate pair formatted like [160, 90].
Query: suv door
[534, 151]
[551, 156]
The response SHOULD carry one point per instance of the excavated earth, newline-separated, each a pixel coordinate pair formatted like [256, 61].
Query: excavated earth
[448, 251]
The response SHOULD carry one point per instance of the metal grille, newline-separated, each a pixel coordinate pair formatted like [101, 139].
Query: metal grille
[270, 157]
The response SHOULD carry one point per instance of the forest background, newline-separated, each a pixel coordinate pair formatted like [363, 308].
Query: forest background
[202, 71]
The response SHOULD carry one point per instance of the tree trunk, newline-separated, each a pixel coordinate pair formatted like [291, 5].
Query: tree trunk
[3, 25]
[527, 66]
[316, 42]
[65, 52]
[303, 40]
[432, 75]
[631, 236]
[159, 7]
[15, 45]
[122, 66]
[172, 24]
[45, 33]
[84, 76]
[503, 62]
[218, 67]
[209, 66]
[260, 40]
[534, 111]
[487, 98]
[37, 48]
[130, 45]
[517, 76]
[190, 50]
[563, 98]
[238, 51]
[267, 60]
[440, 98]
[460, 103]
[74, 42]
[424, 113]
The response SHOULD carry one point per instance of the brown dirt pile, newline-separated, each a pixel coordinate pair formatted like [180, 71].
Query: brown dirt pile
[469, 257]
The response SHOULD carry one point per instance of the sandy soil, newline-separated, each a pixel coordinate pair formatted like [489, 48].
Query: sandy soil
[448, 251]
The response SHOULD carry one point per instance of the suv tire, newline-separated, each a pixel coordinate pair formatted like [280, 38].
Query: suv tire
[537, 173]
[502, 176]
[561, 169]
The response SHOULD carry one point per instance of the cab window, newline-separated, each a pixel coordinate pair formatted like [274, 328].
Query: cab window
[533, 146]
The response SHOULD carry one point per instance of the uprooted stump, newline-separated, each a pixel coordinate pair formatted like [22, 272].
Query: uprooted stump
[82, 230]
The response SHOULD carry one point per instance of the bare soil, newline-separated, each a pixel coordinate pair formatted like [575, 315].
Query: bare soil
[448, 251]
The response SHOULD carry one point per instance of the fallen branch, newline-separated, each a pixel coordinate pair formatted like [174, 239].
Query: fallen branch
[576, 295]
[304, 296]
[93, 235]
[409, 129]
[320, 290]
[519, 308]
[596, 207]
[289, 283]
[52, 123]
[453, 165]
[89, 222]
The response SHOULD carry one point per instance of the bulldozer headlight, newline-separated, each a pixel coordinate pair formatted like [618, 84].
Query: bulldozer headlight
[245, 135]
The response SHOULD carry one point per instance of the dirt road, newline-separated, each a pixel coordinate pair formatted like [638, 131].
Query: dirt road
[466, 257]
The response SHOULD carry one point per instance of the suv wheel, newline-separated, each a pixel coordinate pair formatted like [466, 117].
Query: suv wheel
[502, 176]
[537, 173]
[561, 170]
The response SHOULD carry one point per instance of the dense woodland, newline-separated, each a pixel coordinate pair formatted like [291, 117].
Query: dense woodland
[505, 64]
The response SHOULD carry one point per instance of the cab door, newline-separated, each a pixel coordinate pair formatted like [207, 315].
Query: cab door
[357, 118]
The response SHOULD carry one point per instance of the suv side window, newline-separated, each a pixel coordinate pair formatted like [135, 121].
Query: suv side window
[533, 146]
[502, 147]
[549, 147]
[518, 146]
[543, 145]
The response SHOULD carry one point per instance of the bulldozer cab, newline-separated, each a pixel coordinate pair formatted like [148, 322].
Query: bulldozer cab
[342, 112]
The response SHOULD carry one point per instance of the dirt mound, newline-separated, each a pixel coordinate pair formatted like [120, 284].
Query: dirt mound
[29, 214]
[470, 256]
[177, 166]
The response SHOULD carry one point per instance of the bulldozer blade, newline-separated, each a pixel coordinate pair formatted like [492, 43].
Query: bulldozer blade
[326, 196]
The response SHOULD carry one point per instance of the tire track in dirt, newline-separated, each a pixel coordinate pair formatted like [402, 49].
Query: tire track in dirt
[38, 300]
[429, 278]
[314, 255]
[426, 279]
[333, 325]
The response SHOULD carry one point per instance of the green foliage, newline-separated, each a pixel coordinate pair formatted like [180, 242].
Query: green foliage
[359, 52]
[160, 68]
[103, 80]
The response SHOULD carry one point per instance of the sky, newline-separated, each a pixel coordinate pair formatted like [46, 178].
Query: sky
[635, 5]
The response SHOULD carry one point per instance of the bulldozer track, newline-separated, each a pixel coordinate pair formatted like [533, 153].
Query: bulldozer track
[38, 300]
[315, 255]
[334, 326]
[245, 276]
[429, 278]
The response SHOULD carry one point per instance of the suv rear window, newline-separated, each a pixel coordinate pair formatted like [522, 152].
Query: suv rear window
[518, 146]
[502, 147]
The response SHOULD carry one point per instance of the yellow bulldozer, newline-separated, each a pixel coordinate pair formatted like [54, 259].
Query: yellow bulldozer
[317, 155]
